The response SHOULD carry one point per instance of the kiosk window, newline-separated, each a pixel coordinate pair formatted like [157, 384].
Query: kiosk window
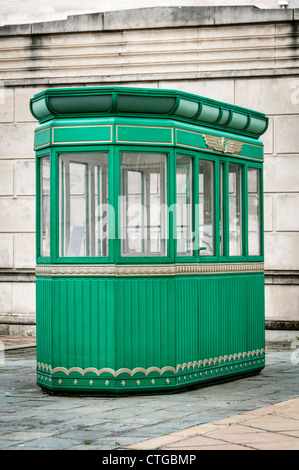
[235, 210]
[143, 204]
[184, 205]
[45, 205]
[254, 212]
[206, 208]
[221, 207]
[83, 204]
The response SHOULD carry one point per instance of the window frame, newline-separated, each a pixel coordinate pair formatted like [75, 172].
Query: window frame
[244, 257]
[243, 193]
[225, 160]
[259, 166]
[170, 175]
[38, 217]
[114, 191]
[175, 228]
[197, 156]
[83, 259]
[90, 204]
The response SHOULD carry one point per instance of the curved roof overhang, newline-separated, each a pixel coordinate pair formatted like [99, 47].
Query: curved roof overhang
[89, 102]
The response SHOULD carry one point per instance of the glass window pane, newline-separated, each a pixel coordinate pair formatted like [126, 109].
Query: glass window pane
[235, 210]
[206, 208]
[45, 205]
[100, 174]
[221, 207]
[184, 205]
[83, 204]
[254, 212]
[144, 204]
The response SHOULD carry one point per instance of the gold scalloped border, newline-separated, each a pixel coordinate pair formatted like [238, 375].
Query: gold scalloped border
[132, 372]
[144, 270]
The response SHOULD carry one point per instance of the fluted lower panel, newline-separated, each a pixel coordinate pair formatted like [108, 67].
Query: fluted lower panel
[219, 315]
[138, 333]
[145, 322]
[44, 322]
[83, 322]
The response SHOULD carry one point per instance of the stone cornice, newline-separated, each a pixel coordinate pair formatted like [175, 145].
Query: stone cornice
[172, 44]
[154, 17]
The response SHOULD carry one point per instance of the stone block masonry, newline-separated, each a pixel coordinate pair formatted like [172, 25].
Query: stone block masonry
[242, 55]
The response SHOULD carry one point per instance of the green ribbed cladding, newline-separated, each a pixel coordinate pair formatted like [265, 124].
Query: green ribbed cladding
[96, 324]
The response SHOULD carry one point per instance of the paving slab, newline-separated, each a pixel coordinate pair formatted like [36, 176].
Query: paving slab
[260, 429]
[257, 412]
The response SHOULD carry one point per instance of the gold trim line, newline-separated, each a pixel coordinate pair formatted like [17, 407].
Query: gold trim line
[82, 141]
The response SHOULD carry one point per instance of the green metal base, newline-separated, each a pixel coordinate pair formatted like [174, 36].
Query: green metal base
[123, 335]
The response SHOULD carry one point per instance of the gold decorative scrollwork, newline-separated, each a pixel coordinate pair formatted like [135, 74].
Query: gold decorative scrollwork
[180, 367]
[144, 270]
[222, 144]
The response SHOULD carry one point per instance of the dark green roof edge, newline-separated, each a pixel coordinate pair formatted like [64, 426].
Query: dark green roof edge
[226, 116]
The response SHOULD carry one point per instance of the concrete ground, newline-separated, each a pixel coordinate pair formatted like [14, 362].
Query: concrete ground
[260, 412]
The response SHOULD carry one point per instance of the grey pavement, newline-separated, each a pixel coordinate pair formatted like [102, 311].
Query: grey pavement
[31, 419]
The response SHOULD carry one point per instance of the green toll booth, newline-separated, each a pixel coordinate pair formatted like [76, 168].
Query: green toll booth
[149, 237]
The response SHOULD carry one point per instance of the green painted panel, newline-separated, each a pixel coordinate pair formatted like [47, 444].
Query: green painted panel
[190, 139]
[144, 134]
[252, 151]
[82, 134]
[42, 138]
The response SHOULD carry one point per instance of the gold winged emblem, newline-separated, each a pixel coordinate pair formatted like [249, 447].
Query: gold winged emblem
[221, 144]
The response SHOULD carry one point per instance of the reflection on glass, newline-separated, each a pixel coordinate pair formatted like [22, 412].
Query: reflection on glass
[83, 204]
[45, 205]
[206, 208]
[184, 205]
[143, 214]
[235, 210]
[254, 212]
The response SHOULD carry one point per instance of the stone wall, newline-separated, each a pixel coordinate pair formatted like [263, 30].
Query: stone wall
[240, 55]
